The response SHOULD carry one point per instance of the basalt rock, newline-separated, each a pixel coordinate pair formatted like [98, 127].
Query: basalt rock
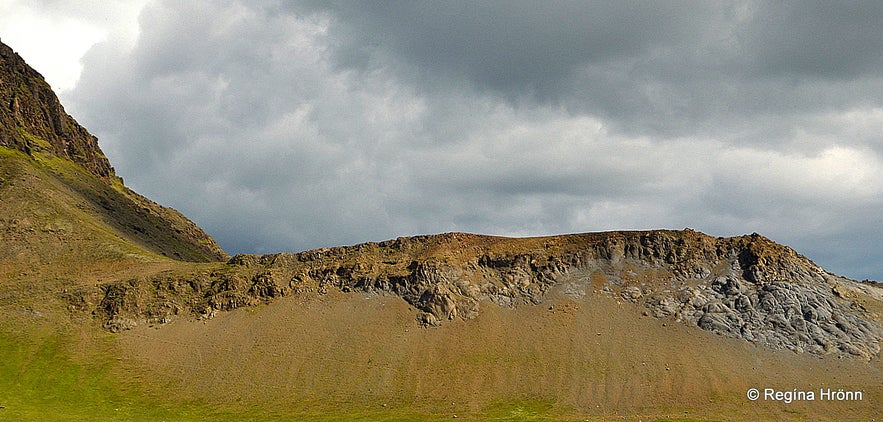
[745, 287]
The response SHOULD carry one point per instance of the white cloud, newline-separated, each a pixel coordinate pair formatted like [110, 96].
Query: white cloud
[837, 173]
[53, 36]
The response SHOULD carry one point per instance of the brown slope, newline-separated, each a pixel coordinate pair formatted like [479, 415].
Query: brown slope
[588, 357]
[33, 122]
[551, 319]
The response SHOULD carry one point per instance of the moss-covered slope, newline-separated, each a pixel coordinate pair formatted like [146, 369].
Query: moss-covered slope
[45, 151]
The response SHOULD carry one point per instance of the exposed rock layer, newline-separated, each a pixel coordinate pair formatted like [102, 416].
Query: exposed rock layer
[746, 287]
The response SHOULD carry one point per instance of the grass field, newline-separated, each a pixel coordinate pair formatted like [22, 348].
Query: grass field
[43, 379]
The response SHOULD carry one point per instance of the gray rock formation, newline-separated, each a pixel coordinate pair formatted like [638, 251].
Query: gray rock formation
[745, 287]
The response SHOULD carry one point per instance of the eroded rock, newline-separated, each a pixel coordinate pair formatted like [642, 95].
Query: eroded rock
[746, 287]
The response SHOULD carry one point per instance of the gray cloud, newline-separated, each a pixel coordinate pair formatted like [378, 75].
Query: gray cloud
[517, 45]
[824, 40]
[668, 69]
[285, 126]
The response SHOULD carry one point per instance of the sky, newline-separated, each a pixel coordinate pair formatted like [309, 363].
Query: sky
[290, 125]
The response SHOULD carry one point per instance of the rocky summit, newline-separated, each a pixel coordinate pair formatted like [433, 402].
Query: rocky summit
[33, 120]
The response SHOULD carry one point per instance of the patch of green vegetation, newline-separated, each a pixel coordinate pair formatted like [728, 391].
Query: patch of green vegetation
[11, 153]
[516, 410]
[52, 376]
[521, 410]
[35, 141]
[391, 415]
[40, 380]
[48, 375]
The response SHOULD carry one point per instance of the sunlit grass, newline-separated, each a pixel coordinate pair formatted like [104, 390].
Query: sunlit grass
[43, 379]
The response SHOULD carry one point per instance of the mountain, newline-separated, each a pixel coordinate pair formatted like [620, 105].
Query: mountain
[113, 307]
[45, 150]
[649, 324]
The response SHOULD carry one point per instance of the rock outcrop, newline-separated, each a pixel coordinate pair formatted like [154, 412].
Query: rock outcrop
[32, 118]
[745, 287]
[33, 122]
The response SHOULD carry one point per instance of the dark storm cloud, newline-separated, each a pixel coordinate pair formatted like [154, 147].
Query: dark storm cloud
[512, 45]
[285, 126]
[667, 68]
[825, 40]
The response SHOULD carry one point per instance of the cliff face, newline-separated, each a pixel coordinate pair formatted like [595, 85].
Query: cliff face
[745, 287]
[32, 118]
[35, 130]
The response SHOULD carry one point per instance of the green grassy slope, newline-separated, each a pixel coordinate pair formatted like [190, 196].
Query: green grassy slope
[61, 227]
[54, 213]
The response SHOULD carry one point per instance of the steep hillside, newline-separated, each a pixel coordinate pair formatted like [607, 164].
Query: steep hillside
[46, 153]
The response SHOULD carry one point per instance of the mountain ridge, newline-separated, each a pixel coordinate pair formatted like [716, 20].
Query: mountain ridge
[34, 123]
[746, 287]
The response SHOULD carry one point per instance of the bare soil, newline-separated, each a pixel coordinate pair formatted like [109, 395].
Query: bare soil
[592, 357]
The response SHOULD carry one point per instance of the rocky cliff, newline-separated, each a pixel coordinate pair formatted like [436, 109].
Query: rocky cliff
[34, 123]
[32, 118]
[746, 287]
